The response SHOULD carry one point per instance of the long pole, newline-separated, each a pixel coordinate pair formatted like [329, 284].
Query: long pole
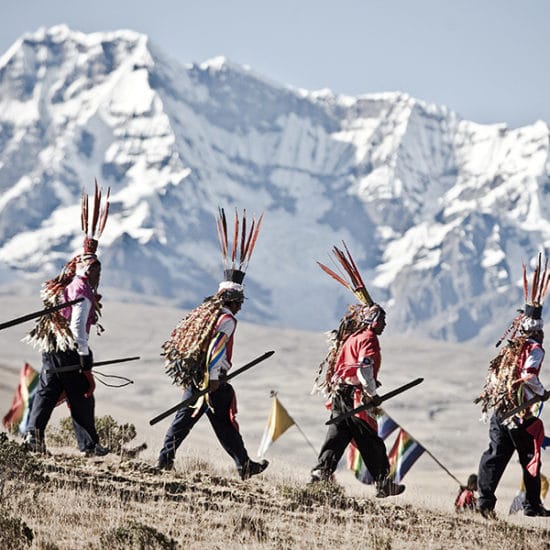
[36, 314]
[194, 397]
[382, 398]
[78, 368]
[438, 462]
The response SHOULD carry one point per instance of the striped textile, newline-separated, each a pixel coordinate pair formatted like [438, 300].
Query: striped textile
[386, 426]
[404, 453]
[17, 417]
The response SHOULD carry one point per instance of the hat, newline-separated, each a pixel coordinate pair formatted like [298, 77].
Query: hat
[372, 313]
[236, 259]
[93, 228]
[355, 283]
[531, 318]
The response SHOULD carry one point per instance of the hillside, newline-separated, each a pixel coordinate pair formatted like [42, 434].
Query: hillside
[64, 502]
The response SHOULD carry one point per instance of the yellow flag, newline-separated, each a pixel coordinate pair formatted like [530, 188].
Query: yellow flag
[278, 422]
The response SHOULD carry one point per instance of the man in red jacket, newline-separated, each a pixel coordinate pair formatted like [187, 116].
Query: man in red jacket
[354, 381]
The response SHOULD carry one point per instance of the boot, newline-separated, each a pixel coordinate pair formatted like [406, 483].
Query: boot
[540, 512]
[318, 476]
[387, 488]
[165, 463]
[488, 513]
[35, 443]
[251, 468]
[96, 450]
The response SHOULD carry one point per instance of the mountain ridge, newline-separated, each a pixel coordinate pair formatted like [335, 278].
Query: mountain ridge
[437, 211]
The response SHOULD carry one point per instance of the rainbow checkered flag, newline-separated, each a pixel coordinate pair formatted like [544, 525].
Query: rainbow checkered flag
[386, 426]
[17, 417]
[404, 453]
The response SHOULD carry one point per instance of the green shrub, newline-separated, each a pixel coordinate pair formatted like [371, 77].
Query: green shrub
[110, 432]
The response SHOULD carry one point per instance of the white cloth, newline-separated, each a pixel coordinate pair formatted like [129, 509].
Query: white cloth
[230, 285]
[365, 373]
[79, 319]
[227, 327]
[533, 385]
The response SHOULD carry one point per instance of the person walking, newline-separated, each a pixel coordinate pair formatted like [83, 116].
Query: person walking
[352, 368]
[62, 337]
[513, 379]
[199, 354]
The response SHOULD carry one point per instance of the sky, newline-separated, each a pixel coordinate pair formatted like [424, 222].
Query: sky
[487, 60]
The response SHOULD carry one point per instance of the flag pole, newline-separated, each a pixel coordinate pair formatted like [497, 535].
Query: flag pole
[306, 438]
[439, 463]
[274, 394]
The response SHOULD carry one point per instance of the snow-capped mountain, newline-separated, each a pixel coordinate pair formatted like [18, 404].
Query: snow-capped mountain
[438, 212]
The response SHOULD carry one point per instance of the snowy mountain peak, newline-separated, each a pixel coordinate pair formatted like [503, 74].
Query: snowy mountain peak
[218, 64]
[437, 211]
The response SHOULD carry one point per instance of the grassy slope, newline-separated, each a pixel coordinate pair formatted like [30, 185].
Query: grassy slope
[115, 503]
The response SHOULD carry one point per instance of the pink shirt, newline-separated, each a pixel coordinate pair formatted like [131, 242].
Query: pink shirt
[82, 315]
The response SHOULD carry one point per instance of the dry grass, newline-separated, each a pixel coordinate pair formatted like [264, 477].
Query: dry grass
[64, 501]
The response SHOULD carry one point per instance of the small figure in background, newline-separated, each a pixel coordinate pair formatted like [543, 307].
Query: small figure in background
[466, 499]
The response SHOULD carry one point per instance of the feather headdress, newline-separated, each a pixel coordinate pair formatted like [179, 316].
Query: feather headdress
[356, 318]
[52, 332]
[186, 351]
[93, 227]
[534, 299]
[236, 254]
[355, 282]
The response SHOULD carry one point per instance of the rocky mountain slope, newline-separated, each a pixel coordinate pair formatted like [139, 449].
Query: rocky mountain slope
[439, 212]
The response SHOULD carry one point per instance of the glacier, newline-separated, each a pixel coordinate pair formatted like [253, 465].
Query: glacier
[439, 212]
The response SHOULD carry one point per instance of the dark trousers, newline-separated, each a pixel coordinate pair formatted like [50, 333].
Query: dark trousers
[502, 444]
[219, 415]
[339, 435]
[50, 388]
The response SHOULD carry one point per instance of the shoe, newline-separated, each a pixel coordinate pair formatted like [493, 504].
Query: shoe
[488, 513]
[388, 488]
[34, 444]
[164, 464]
[96, 450]
[541, 512]
[252, 468]
[319, 476]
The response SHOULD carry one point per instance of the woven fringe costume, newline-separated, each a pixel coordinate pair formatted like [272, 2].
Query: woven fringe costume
[199, 350]
[513, 379]
[351, 369]
[52, 332]
[62, 337]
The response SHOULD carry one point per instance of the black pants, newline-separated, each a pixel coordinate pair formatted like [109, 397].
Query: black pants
[50, 388]
[339, 435]
[502, 444]
[226, 431]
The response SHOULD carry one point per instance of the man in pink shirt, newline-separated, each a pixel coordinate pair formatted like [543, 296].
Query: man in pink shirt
[62, 337]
